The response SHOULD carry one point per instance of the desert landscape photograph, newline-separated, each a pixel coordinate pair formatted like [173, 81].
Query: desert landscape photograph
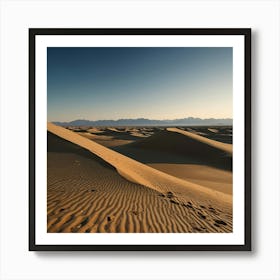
[139, 140]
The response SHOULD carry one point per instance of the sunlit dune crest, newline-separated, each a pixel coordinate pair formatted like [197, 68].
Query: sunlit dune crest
[221, 146]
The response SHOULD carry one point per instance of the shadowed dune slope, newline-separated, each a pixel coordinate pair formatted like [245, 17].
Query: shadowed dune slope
[194, 148]
[118, 134]
[227, 148]
[85, 194]
[104, 140]
[113, 137]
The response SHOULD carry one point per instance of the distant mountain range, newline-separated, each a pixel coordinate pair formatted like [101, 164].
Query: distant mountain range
[148, 122]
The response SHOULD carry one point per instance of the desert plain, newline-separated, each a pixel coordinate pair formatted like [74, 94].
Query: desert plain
[139, 179]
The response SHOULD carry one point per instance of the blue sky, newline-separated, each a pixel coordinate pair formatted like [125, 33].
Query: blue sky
[156, 83]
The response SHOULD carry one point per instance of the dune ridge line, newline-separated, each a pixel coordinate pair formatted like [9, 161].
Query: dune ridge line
[137, 172]
[213, 143]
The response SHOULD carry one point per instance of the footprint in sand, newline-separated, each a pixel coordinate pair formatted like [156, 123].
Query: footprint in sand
[174, 202]
[201, 216]
[84, 222]
[213, 210]
[197, 229]
[169, 195]
[220, 222]
[188, 206]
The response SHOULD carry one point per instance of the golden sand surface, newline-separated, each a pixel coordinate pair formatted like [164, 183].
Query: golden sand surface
[92, 188]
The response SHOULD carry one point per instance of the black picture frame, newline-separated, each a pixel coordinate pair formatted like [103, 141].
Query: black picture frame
[246, 32]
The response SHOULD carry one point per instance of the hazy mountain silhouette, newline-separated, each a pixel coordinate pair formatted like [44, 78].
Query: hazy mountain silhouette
[148, 122]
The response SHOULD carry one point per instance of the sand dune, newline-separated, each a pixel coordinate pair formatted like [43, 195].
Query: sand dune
[138, 134]
[207, 176]
[109, 137]
[178, 155]
[105, 140]
[183, 146]
[193, 170]
[112, 136]
[212, 143]
[114, 129]
[213, 130]
[128, 134]
[178, 165]
[139, 173]
[86, 194]
[95, 130]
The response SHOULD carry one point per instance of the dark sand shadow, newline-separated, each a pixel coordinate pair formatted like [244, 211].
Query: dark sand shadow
[59, 145]
[167, 147]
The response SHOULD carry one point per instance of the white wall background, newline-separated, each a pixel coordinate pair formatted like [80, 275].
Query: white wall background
[17, 262]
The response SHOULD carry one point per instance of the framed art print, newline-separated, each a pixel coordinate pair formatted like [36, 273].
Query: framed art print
[140, 139]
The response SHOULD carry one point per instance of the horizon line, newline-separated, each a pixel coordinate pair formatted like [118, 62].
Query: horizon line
[142, 118]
